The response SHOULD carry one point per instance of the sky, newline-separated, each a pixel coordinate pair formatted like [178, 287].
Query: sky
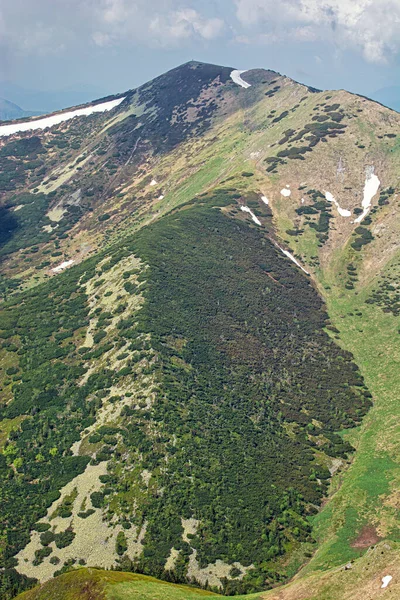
[91, 48]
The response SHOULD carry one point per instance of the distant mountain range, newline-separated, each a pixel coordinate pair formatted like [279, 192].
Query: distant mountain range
[10, 111]
[41, 101]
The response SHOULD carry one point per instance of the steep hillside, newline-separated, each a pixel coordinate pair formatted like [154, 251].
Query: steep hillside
[192, 397]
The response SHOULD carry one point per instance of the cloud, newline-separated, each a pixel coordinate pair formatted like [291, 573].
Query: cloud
[184, 24]
[102, 39]
[53, 27]
[49, 26]
[371, 26]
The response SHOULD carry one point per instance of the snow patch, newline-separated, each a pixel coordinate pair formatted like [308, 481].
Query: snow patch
[342, 211]
[302, 200]
[265, 200]
[286, 192]
[63, 265]
[161, 197]
[253, 216]
[386, 580]
[153, 182]
[58, 118]
[236, 77]
[292, 258]
[371, 187]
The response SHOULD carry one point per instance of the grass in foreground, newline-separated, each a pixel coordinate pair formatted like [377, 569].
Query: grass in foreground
[96, 584]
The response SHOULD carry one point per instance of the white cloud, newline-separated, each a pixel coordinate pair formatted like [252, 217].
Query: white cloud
[48, 26]
[184, 24]
[45, 27]
[115, 11]
[372, 26]
[101, 39]
[304, 34]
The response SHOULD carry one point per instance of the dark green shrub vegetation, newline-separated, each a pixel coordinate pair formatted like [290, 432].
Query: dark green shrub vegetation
[65, 538]
[385, 195]
[232, 315]
[364, 237]
[85, 514]
[296, 152]
[321, 207]
[121, 545]
[41, 527]
[104, 217]
[322, 127]
[38, 324]
[280, 117]
[24, 228]
[46, 538]
[387, 296]
[97, 499]
[41, 554]
[240, 352]
[26, 147]
[271, 93]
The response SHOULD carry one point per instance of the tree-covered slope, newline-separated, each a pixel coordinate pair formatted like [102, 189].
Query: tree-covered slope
[226, 396]
[181, 401]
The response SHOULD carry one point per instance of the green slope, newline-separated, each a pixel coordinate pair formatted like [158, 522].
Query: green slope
[367, 499]
[188, 373]
[220, 377]
[94, 584]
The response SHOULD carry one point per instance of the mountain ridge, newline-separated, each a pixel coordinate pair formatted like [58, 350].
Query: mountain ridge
[195, 63]
[165, 238]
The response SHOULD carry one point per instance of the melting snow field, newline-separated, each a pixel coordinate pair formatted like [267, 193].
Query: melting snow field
[292, 258]
[58, 118]
[286, 192]
[265, 200]
[371, 187]
[236, 77]
[386, 580]
[342, 211]
[253, 216]
[63, 265]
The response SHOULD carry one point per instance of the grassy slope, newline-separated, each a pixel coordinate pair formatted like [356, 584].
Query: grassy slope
[361, 582]
[368, 493]
[95, 584]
